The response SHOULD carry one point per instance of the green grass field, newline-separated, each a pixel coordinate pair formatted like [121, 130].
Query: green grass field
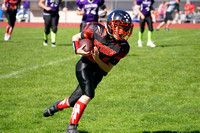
[152, 89]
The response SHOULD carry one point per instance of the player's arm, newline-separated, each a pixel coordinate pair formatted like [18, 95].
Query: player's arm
[4, 5]
[102, 65]
[139, 12]
[42, 5]
[104, 13]
[79, 12]
[79, 50]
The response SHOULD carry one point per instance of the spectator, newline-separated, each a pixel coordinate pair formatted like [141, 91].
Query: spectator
[26, 9]
[135, 13]
[89, 9]
[171, 6]
[189, 10]
[11, 9]
[144, 8]
[161, 11]
[51, 18]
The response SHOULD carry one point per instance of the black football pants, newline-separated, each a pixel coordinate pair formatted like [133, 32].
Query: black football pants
[89, 76]
[51, 21]
[149, 23]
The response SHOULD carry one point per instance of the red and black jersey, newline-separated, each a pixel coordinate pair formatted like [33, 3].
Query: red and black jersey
[13, 4]
[110, 50]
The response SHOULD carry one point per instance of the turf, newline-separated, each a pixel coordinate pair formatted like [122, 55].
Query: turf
[151, 90]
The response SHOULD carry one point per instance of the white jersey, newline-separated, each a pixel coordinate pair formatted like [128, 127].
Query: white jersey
[172, 6]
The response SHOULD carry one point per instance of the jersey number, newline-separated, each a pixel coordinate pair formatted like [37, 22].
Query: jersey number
[90, 10]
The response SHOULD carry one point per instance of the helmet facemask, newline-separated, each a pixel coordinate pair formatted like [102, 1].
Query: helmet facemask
[120, 30]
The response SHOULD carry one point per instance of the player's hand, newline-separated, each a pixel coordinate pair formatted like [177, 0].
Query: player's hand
[48, 8]
[95, 54]
[103, 14]
[142, 17]
[5, 9]
[82, 52]
[65, 9]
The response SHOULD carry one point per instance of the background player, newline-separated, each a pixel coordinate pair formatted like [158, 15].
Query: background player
[110, 46]
[11, 9]
[171, 7]
[89, 9]
[51, 18]
[144, 8]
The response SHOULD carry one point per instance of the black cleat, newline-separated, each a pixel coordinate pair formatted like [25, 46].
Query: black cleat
[72, 128]
[51, 110]
[157, 29]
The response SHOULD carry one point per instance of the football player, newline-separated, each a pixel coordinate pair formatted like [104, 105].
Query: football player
[89, 9]
[110, 46]
[11, 9]
[144, 8]
[171, 6]
[51, 18]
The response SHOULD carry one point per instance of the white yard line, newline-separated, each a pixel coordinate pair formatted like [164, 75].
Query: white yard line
[9, 75]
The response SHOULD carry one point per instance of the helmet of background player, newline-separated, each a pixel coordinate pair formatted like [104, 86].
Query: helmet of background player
[119, 25]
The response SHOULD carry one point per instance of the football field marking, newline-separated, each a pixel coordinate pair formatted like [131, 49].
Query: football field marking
[35, 67]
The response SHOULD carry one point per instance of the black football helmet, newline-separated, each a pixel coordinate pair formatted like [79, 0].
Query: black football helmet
[119, 25]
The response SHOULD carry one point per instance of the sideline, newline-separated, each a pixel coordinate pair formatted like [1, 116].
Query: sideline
[35, 67]
[76, 25]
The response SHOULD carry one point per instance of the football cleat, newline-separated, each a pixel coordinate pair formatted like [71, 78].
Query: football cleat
[139, 43]
[53, 45]
[45, 43]
[151, 44]
[166, 29]
[157, 29]
[72, 128]
[9, 37]
[53, 109]
[6, 37]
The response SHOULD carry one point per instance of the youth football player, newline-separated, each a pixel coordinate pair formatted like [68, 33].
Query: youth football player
[89, 9]
[11, 9]
[110, 46]
[51, 18]
[171, 7]
[144, 8]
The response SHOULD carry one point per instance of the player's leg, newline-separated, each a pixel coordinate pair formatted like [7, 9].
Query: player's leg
[168, 24]
[88, 80]
[54, 25]
[140, 34]
[6, 37]
[47, 23]
[150, 31]
[164, 22]
[12, 23]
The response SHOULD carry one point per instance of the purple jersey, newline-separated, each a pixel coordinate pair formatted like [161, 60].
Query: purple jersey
[91, 8]
[145, 6]
[26, 4]
[53, 4]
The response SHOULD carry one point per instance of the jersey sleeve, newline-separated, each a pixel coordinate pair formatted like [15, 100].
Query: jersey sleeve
[79, 5]
[123, 52]
[138, 2]
[101, 3]
[88, 31]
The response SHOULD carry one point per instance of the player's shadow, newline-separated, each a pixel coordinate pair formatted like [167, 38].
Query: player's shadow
[83, 132]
